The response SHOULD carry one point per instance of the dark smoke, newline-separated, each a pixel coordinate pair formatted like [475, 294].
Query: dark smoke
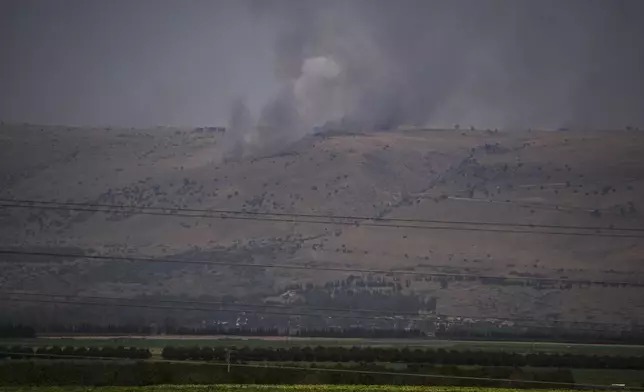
[501, 64]
[302, 63]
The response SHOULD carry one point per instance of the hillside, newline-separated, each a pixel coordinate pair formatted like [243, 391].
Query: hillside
[569, 178]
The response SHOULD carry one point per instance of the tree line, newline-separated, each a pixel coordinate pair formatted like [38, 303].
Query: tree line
[394, 355]
[375, 333]
[55, 352]
[13, 331]
[112, 329]
[442, 331]
[218, 330]
[542, 334]
[89, 328]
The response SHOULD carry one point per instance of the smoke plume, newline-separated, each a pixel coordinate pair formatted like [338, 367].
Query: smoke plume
[301, 63]
[495, 64]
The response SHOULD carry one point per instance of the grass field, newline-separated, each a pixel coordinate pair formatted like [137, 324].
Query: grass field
[608, 376]
[264, 388]
[157, 343]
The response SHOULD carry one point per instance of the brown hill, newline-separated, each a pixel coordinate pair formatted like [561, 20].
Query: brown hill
[526, 177]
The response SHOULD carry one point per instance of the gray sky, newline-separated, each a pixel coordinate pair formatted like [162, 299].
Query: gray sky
[489, 63]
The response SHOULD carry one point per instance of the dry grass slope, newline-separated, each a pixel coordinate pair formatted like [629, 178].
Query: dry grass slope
[538, 177]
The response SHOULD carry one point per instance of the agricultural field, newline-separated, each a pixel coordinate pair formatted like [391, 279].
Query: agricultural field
[187, 365]
[269, 388]
[608, 376]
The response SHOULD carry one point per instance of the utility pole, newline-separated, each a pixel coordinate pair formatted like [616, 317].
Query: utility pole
[228, 359]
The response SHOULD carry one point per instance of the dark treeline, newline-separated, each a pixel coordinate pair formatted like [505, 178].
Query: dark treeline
[67, 373]
[359, 293]
[132, 329]
[405, 355]
[87, 328]
[540, 334]
[216, 330]
[240, 331]
[361, 333]
[455, 332]
[304, 332]
[16, 331]
[24, 352]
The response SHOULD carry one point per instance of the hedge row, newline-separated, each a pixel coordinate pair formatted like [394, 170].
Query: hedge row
[405, 355]
[21, 352]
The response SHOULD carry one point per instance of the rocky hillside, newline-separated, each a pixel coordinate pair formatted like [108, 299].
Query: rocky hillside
[565, 178]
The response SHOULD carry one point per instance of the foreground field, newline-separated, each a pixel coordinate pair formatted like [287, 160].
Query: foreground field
[265, 388]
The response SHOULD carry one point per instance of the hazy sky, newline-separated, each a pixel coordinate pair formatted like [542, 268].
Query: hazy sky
[490, 63]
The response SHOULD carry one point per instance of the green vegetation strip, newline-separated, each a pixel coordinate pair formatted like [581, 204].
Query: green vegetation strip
[267, 388]
[509, 346]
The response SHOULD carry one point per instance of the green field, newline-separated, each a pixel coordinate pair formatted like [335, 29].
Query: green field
[159, 343]
[608, 376]
[266, 388]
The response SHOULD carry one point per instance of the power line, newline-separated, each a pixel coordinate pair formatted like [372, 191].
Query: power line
[372, 222]
[320, 222]
[328, 369]
[314, 268]
[321, 216]
[230, 308]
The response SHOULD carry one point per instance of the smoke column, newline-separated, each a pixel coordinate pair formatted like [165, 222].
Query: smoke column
[300, 63]
[496, 64]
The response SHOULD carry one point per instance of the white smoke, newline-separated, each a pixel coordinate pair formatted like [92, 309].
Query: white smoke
[317, 92]
[311, 99]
